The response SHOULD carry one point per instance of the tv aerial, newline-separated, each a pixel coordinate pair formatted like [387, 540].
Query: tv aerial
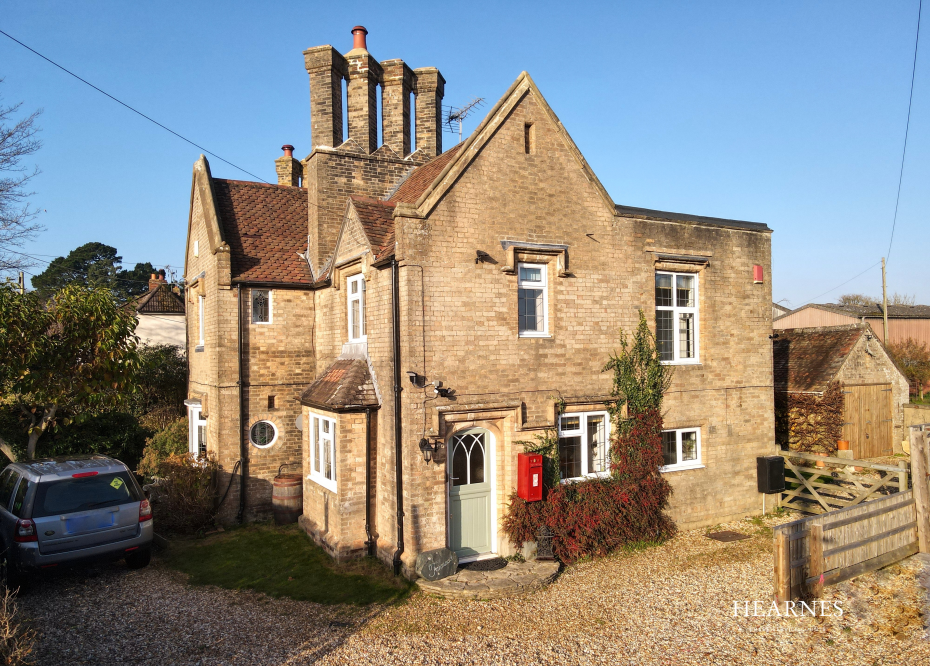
[458, 114]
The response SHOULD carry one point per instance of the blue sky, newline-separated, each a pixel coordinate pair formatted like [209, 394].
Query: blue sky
[788, 113]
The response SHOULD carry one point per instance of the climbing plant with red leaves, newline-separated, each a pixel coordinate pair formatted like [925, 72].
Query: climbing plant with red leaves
[598, 516]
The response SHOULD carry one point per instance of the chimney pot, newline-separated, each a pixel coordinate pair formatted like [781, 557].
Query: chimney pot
[358, 37]
[288, 150]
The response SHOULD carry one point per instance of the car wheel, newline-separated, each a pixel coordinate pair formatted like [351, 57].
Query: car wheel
[9, 575]
[139, 558]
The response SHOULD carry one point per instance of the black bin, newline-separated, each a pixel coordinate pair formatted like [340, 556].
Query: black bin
[770, 474]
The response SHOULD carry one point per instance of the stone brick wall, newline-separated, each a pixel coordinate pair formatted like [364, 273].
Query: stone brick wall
[331, 176]
[460, 322]
[278, 360]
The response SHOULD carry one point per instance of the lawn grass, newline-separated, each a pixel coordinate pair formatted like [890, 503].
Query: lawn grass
[283, 562]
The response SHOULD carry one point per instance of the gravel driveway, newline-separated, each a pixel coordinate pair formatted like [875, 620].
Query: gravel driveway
[667, 605]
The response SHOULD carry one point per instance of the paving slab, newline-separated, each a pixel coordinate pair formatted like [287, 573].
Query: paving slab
[514, 579]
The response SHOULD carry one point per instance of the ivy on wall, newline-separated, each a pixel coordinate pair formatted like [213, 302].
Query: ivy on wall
[600, 515]
[810, 423]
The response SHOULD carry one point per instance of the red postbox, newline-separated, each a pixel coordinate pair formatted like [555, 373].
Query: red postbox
[530, 476]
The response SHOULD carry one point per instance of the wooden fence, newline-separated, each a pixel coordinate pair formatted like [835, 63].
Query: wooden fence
[815, 489]
[838, 545]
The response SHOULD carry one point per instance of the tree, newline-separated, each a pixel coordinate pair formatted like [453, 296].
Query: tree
[17, 220]
[914, 360]
[72, 354]
[869, 301]
[94, 265]
[857, 299]
[161, 379]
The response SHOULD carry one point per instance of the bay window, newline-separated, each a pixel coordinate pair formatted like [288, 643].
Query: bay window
[323, 451]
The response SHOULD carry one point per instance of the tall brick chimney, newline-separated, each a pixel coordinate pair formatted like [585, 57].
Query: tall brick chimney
[327, 69]
[288, 167]
[364, 74]
[398, 82]
[430, 88]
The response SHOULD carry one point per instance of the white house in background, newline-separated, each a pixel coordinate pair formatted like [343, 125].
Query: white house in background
[160, 314]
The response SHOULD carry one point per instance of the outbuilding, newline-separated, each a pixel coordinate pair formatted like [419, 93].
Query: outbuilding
[808, 360]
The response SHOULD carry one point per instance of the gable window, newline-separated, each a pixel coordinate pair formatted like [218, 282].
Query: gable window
[584, 444]
[677, 317]
[681, 449]
[197, 435]
[261, 306]
[200, 317]
[323, 451]
[532, 300]
[356, 295]
[263, 434]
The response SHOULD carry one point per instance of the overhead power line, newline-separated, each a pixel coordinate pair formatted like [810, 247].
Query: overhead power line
[907, 128]
[134, 110]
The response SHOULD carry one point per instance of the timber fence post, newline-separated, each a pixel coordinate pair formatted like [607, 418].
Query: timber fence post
[919, 464]
[782, 568]
[815, 566]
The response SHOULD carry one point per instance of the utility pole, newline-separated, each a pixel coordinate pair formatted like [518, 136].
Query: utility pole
[884, 305]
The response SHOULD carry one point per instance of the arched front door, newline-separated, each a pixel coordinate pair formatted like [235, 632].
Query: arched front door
[470, 492]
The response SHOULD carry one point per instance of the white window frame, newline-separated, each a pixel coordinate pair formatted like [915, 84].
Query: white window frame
[269, 293]
[273, 439]
[582, 432]
[318, 440]
[201, 308]
[677, 311]
[690, 464]
[196, 248]
[194, 424]
[360, 298]
[544, 285]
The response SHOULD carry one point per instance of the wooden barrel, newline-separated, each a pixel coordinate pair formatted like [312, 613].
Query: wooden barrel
[287, 498]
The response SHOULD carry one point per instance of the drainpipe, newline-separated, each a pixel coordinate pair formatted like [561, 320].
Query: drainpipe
[371, 542]
[398, 427]
[243, 469]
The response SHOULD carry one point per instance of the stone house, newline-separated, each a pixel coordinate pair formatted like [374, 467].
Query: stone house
[393, 320]
[160, 314]
[807, 360]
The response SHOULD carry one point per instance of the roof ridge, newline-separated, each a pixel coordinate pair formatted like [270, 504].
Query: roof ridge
[256, 183]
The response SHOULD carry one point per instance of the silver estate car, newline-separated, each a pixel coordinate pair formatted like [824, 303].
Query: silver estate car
[70, 509]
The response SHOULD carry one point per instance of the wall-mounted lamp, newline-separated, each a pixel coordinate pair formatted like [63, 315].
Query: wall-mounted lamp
[415, 379]
[427, 449]
[441, 392]
[480, 256]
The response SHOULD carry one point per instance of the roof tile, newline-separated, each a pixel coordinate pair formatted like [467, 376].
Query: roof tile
[265, 226]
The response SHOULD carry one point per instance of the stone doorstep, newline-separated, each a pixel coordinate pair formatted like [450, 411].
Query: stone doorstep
[512, 580]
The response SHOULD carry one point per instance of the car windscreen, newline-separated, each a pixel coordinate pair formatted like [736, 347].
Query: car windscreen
[84, 493]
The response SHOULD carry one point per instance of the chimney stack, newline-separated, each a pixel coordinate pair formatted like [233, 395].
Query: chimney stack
[398, 82]
[288, 167]
[364, 74]
[430, 88]
[327, 69]
[154, 282]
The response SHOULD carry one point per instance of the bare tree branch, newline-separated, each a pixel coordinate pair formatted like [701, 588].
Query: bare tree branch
[17, 219]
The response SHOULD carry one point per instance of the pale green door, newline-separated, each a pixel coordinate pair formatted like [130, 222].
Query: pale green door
[470, 494]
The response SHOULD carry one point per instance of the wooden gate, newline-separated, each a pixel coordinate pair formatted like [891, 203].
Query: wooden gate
[867, 416]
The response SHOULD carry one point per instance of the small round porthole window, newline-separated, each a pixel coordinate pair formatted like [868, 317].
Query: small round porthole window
[263, 434]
